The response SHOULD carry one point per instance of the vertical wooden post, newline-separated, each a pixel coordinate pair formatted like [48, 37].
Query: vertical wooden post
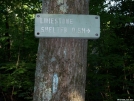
[61, 63]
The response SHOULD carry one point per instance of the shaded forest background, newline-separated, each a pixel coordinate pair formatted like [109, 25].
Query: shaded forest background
[110, 68]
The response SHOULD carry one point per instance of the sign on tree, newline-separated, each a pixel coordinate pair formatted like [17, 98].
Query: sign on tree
[67, 26]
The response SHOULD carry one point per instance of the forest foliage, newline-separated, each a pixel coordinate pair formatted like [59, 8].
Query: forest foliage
[18, 48]
[110, 74]
[110, 68]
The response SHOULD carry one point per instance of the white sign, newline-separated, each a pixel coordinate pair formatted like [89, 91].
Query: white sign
[67, 26]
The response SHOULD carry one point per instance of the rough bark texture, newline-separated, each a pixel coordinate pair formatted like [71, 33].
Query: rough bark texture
[61, 63]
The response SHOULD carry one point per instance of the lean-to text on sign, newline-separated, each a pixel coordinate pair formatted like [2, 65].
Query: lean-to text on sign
[67, 26]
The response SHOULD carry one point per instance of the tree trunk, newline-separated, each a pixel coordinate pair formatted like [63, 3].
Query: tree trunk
[61, 63]
[7, 46]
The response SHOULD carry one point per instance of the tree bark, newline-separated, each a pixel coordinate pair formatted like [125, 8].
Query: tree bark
[61, 63]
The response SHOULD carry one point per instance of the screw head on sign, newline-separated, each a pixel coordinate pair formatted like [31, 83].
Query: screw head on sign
[96, 34]
[96, 17]
[38, 33]
[38, 16]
